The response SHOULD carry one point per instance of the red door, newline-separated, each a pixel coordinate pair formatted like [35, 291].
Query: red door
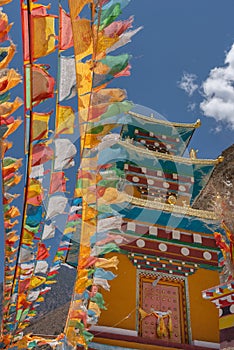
[162, 297]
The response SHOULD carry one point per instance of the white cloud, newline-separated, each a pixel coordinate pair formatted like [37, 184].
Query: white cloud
[217, 129]
[218, 92]
[191, 107]
[187, 83]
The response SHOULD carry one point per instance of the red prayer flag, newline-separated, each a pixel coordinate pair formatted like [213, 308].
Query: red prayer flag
[41, 154]
[43, 252]
[58, 182]
[66, 36]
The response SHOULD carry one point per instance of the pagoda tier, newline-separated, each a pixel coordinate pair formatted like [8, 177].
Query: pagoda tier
[155, 175]
[178, 243]
[154, 134]
[174, 239]
[160, 135]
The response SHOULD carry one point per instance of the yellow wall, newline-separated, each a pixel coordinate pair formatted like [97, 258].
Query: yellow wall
[121, 300]
[203, 313]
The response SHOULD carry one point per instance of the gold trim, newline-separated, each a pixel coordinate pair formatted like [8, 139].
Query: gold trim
[128, 144]
[151, 119]
[171, 208]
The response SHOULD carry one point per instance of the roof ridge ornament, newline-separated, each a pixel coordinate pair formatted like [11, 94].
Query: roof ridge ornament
[151, 118]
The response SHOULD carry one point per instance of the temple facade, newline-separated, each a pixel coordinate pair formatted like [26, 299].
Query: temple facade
[167, 251]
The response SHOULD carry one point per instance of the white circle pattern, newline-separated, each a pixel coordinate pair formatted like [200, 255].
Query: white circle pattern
[207, 256]
[135, 179]
[162, 247]
[185, 251]
[140, 243]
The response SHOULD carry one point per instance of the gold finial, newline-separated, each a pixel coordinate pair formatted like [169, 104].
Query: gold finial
[198, 123]
[220, 159]
[172, 199]
[193, 153]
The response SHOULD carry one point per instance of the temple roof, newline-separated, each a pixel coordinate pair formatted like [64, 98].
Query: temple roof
[198, 170]
[174, 136]
[166, 215]
[151, 118]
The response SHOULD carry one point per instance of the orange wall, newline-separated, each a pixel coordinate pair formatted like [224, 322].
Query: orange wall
[204, 314]
[121, 300]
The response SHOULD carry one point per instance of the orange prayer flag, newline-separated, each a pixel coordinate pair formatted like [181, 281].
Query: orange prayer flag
[11, 168]
[10, 54]
[5, 146]
[12, 127]
[7, 108]
[4, 2]
[9, 78]
[12, 212]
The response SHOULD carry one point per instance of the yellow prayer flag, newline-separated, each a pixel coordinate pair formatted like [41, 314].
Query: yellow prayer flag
[103, 43]
[77, 6]
[95, 308]
[36, 281]
[40, 299]
[65, 119]
[35, 188]
[83, 38]
[84, 77]
[40, 125]
[27, 237]
[43, 36]
[84, 100]
[85, 253]
[107, 263]
[89, 213]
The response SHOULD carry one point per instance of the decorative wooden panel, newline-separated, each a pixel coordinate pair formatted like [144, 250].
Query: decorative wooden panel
[167, 294]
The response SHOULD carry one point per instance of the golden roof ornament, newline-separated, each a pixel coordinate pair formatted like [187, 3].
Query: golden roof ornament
[193, 153]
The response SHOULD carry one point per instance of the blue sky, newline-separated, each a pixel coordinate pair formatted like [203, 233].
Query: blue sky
[181, 36]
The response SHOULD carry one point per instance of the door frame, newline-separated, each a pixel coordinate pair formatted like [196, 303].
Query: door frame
[179, 281]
